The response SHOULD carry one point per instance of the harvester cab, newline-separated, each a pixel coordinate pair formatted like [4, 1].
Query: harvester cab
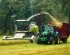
[21, 25]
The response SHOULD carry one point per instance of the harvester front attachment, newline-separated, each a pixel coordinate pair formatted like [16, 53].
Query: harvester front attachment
[20, 36]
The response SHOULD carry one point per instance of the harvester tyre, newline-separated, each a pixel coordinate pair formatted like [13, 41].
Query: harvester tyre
[31, 41]
[38, 41]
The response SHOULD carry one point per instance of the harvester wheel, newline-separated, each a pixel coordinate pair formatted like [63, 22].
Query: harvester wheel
[38, 41]
[34, 39]
[31, 41]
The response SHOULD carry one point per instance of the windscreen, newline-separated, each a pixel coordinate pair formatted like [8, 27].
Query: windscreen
[22, 25]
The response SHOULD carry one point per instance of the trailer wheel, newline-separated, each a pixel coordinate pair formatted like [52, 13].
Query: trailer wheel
[65, 40]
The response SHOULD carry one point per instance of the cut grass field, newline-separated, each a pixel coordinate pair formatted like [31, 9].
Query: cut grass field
[27, 48]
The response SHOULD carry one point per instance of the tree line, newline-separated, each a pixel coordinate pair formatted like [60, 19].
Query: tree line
[11, 10]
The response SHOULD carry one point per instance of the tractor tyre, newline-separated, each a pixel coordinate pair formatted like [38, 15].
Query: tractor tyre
[51, 41]
[57, 40]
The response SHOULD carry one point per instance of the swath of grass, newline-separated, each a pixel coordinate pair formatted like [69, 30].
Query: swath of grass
[12, 42]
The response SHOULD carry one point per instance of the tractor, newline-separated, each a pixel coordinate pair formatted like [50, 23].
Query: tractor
[53, 34]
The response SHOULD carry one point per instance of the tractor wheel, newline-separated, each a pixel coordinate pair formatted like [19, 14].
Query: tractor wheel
[57, 40]
[51, 41]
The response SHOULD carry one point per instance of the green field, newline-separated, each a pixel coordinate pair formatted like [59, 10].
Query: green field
[17, 47]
